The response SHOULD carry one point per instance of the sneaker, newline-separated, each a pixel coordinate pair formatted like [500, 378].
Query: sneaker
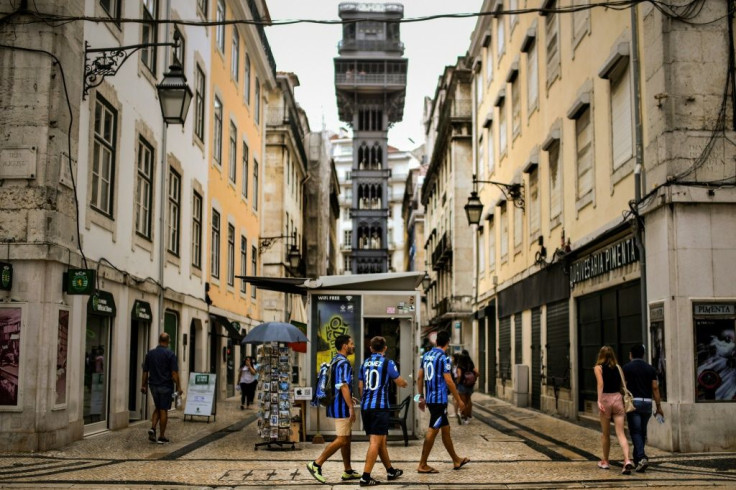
[370, 482]
[642, 466]
[152, 435]
[162, 440]
[603, 465]
[350, 475]
[394, 473]
[628, 466]
[316, 472]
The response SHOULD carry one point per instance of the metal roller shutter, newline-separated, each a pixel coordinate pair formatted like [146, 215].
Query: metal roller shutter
[504, 348]
[558, 344]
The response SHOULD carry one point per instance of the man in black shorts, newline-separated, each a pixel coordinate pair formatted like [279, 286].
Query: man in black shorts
[161, 373]
[435, 378]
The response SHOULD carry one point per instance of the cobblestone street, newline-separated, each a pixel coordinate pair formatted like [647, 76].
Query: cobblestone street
[508, 447]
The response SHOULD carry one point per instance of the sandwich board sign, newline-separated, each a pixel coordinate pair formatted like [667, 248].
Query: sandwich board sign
[201, 395]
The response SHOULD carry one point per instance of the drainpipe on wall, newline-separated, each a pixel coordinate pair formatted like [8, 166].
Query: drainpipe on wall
[162, 196]
[638, 169]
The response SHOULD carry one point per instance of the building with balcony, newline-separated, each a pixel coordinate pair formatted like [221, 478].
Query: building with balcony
[588, 112]
[370, 85]
[448, 245]
[322, 208]
[282, 223]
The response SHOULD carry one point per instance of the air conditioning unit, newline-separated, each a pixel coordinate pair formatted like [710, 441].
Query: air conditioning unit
[520, 376]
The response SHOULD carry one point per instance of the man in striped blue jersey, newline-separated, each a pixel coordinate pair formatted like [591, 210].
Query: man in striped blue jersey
[435, 379]
[373, 381]
[341, 410]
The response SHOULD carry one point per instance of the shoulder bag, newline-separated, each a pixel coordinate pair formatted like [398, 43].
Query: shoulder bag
[628, 397]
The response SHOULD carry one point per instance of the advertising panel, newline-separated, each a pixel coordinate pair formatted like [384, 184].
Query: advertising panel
[10, 334]
[715, 352]
[62, 347]
[334, 315]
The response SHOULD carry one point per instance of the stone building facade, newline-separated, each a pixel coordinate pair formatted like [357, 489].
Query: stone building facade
[558, 100]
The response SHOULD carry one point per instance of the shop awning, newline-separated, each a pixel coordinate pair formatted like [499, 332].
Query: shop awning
[293, 285]
[387, 281]
[232, 331]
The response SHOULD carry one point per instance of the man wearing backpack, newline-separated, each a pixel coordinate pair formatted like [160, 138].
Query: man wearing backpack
[339, 392]
[374, 377]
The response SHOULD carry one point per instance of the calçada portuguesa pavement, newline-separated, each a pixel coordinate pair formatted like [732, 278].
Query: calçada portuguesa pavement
[509, 448]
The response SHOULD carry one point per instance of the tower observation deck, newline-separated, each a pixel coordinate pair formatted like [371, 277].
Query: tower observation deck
[370, 85]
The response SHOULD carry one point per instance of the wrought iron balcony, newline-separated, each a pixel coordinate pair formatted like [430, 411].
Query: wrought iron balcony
[370, 45]
[368, 213]
[397, 80]
[372, 173]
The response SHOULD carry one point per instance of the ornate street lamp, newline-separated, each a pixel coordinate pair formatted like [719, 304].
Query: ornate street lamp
[426, 281]
[474, 207]
[174, 95]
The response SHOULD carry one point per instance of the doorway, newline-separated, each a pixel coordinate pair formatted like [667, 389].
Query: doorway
[96, 373]
[536, 347]
[398, 349]
[139, 341]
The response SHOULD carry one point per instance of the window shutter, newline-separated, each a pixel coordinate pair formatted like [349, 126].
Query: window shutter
[621, 119]
[584, 130]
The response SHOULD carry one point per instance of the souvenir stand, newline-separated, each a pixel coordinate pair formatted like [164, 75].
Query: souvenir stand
[274, 395]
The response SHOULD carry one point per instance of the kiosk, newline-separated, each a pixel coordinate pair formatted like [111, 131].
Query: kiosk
[364, 306]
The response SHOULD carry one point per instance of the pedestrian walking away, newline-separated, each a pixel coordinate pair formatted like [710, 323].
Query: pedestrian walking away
[373, 382]
[641, 379]
[161, 374]
[248, 383]
[341, 410]
[435, 379]
[467, 375]
[611, 406]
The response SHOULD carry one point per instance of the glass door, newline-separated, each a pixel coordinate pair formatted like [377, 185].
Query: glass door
[96, 373]
[139, 332]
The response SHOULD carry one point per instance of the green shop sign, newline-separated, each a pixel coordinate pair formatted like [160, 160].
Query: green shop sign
[142, 311]
[6, 276]
[101, 303]
[79, 281]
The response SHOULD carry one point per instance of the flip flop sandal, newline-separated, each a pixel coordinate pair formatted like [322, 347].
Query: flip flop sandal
[462, 463]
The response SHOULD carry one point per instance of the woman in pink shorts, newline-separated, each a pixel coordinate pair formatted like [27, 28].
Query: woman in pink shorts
[611, 406]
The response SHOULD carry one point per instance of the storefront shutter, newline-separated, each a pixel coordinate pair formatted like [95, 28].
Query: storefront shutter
[504, 348]
[558, 343]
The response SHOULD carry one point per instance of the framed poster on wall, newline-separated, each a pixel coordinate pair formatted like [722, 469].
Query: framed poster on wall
[715, 352]
[334, 315]
[10, 357]
[62, 348]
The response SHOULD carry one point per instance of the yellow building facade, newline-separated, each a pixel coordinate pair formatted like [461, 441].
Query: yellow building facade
[242, 73]
[553, 96]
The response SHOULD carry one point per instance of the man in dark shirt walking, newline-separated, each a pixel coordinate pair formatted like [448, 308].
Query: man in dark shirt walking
[641, 380]
[435, 379]
[161, 373]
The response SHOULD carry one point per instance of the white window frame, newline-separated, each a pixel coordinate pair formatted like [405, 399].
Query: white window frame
[230, 254]
[104, 150]
[196, 230]
[233, 153]
[215, 238]
[217, 144]
[144, 189]
[235, 55]
[173, 212]
[220, 27]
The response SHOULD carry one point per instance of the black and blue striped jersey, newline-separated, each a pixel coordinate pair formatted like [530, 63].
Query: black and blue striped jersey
[376, 373]
[342, 374]
[435, 363]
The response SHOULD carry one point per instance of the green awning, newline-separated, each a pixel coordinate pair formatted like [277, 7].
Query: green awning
[232, 328]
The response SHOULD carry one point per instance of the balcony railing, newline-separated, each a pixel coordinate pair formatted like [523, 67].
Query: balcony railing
[262, 34]
[370, 45]
[365, 173]
[368, 213]
[382, 79]
[444, 306]
[442, 252]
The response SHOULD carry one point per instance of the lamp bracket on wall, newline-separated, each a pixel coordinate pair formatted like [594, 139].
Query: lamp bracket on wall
[100, 63]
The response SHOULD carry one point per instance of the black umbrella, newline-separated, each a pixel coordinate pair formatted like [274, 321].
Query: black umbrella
[274, 332]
